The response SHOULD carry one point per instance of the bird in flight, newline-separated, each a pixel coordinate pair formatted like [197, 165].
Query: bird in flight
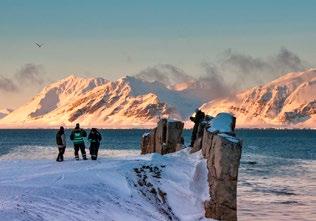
[39, 45]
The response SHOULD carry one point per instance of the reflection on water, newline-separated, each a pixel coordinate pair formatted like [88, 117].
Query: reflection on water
[276, 189]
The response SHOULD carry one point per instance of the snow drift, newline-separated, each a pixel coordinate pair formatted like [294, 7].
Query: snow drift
[108, 189]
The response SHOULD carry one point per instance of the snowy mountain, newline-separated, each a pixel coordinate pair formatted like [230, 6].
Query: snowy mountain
[126, 103]
[5, 112]
[289, 101]
[132, 102]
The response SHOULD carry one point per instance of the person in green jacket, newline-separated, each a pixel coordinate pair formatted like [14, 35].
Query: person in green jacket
[77, 136]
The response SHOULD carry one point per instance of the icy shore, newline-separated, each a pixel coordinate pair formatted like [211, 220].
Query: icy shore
[151, 187]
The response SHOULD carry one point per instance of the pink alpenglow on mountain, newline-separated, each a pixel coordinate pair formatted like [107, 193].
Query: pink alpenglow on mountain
[126, 103]
[287, 102]
[132, 102]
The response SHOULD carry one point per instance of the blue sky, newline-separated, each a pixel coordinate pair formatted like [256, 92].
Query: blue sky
[114, 38]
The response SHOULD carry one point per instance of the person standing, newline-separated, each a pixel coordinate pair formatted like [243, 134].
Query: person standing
[77, 136]
[61, 144]
[199, 117]
[94, 138]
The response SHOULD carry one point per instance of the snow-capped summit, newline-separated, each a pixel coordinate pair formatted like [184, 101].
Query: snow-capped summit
[126, 103]
[289, 101]
[51, 98]
[131, 102]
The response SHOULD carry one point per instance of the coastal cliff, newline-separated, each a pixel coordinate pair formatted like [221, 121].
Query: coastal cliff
[219, 146]
[222, 149]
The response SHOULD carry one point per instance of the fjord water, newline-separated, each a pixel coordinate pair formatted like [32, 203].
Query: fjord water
[277, 179]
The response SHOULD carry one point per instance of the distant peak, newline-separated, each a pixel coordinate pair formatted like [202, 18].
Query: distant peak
[129, 79]
[303, 75]
[72, 77]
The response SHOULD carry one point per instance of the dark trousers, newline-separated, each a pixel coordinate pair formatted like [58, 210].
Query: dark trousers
[194, 133]
[82, 147]
[61, 151]
[94, 148]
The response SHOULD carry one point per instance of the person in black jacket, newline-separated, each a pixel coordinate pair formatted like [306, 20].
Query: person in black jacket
[77, 136]
[94, 138]
[61, 144]
[199, 117]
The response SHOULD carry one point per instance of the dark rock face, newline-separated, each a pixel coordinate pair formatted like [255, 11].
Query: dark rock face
[216, 139]
[223, 151]
[223, 158]
[165, 138]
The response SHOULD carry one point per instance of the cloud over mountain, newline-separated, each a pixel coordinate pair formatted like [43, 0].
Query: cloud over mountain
[29, 74]
[235, 71]
[288, 101]
[167, 74]
[7, 84]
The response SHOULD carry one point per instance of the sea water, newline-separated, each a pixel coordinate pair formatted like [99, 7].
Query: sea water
[277, 179]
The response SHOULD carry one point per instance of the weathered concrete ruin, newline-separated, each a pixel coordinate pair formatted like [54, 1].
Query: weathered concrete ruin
[165, 138]
[219, 146]
[216, 139]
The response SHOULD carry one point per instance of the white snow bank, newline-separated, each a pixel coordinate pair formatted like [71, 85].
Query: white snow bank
[221, 123]
[146, 134]
[101, 190]
[229, 138]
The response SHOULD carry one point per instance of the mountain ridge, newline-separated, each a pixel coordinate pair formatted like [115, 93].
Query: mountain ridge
[132, 102]
[286, 102]
[125, 103]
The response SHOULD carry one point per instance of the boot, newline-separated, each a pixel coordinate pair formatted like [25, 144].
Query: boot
[84, 157]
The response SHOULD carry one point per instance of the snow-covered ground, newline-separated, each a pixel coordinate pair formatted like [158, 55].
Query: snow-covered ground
[117, 186]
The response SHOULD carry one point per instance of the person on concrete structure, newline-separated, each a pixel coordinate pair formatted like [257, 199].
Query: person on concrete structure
[61, 144]
[197, 119]
[94, 138]
[77, 136]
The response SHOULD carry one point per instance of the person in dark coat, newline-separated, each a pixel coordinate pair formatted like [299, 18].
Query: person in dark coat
[94, 138]
[197, 119]
[77, 136]
[61, 144]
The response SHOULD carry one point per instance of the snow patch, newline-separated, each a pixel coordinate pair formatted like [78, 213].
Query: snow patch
[221, 123]
[102, 189]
